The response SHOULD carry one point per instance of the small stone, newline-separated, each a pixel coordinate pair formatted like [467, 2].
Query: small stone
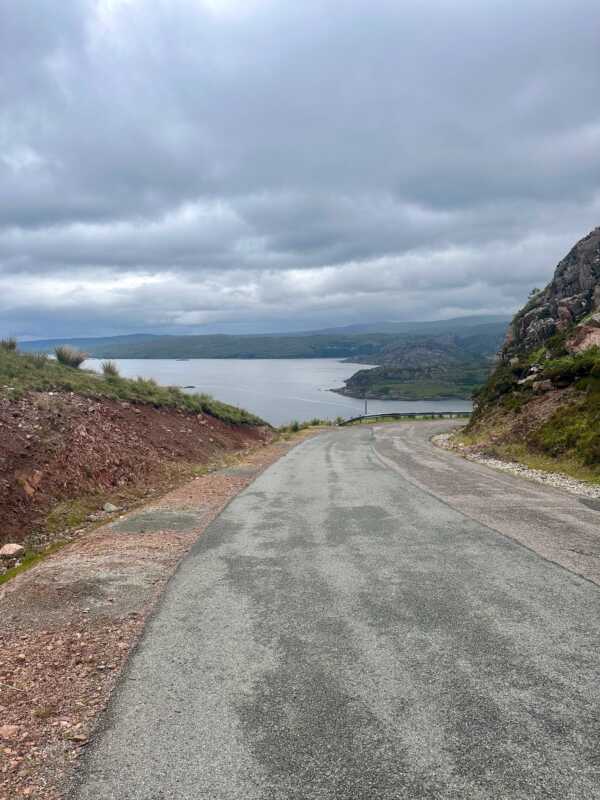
[9, 732]
[79, 738]
[12, 550]
[109, 508]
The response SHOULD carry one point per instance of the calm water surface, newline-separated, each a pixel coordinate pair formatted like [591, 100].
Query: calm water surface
[278, 390]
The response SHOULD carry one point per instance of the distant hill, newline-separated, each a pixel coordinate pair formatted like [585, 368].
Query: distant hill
[429, 368]
[543, 399]
[85, 343]
[364, 343]
[455, 325]
[414, 360]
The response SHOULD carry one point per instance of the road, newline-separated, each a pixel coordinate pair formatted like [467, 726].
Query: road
[372, 618]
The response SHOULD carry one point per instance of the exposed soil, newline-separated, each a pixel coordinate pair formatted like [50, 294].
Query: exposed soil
[57, 446]
[69, 623]
[501, 425]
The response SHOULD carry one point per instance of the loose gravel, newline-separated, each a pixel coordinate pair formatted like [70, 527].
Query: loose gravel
[68, 624]
[557, 480]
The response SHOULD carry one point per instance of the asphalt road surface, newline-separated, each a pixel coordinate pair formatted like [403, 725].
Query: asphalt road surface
[371, 619]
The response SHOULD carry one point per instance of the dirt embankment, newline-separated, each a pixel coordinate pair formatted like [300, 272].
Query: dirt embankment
[69, 623]
[56, 446]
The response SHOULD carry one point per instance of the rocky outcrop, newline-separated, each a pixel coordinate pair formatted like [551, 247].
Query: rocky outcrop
[569, 300]
[543, 398]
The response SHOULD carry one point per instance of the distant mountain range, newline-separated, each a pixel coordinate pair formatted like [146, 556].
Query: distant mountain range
[365, 343]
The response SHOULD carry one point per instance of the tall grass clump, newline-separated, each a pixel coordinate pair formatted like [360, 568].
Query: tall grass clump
[69, 356]
[8, 344]
[110, 369]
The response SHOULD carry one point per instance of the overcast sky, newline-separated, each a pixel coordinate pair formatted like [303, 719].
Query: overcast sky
[264, 164]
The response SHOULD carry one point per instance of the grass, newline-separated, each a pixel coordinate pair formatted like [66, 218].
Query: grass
[568, 465]
[69, 356]
[110, 369]
[419, 390]
[288, 431]
[8, 344]
[32, 372]
[456, 381]
[386, 419]
[30, 559]
[74, 513]
[572, 433]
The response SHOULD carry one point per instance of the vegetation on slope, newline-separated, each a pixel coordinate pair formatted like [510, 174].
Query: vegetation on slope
[543, 399]
[34, 372]
[433, 368]
[556, 415]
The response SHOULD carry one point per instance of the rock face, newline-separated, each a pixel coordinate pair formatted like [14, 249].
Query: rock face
[544, 395]
[567, 303]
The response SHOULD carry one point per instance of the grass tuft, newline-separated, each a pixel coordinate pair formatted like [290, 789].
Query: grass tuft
[69, 356]
[110, 369]
[9, 344]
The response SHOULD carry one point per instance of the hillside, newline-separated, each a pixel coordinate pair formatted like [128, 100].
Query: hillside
[431, 368]
[364, 343]
[543, 399]
[71, 440]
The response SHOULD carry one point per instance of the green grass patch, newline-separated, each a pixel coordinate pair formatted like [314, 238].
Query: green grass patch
[32, 372]
[72, 513]
[30, 559]
[568, 465]
[572, 432]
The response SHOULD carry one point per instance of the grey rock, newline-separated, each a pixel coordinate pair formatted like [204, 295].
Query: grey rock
[570, 296]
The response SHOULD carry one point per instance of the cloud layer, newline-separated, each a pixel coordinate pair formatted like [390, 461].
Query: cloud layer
[266, 164]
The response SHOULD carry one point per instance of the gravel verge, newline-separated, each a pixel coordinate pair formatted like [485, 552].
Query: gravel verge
[70, 622]
[556, 480]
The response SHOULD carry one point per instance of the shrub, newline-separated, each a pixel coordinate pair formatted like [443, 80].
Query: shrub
[295, 426]
[110, 369]
[566, 370]
[69, 356]
[8, 344]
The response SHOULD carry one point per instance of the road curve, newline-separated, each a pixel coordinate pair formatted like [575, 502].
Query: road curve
[354, 627]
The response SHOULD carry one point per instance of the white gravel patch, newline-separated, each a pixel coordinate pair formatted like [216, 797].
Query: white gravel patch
[557, 480]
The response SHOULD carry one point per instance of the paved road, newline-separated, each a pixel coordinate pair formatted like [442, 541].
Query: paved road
[340, 632]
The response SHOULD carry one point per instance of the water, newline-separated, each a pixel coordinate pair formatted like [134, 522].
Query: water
[279, 390]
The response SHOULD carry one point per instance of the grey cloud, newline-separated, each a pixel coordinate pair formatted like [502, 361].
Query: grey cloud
[283, 161]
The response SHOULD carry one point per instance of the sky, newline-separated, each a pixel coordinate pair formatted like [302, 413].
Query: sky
[261, 165]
